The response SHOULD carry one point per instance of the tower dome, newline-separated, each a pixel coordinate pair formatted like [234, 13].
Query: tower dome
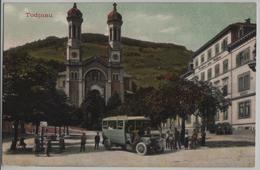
[114, 16]
[74, 12]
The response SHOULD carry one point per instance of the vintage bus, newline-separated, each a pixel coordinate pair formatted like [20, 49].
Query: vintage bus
[131, 133]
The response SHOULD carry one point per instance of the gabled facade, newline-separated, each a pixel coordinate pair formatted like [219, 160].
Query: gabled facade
[104, 74]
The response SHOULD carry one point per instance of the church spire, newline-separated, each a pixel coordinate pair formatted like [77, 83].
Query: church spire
[74, 5]
[114, 4]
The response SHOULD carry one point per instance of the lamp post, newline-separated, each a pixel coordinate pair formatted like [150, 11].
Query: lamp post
[252, 63]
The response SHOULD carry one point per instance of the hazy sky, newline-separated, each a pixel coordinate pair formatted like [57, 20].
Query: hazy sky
[188, 24]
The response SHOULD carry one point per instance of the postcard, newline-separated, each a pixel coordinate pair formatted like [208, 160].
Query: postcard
[129, 84]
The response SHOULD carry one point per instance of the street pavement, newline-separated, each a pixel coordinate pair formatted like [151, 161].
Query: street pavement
[221, 151]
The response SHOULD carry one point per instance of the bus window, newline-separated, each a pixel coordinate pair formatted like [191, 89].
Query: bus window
[130, 126]
[120, 124]
[139, 124]
[105, 125]
[112, 124]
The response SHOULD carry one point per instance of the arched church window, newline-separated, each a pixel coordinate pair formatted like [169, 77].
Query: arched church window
[89, 78]
[74, 55]
[119, 34]
[70, 31]
[115, 76]
[79, 32]
[76, 75]
[115, 57]
[99, 75]
[115, 34]
[74, 31]
[110, 34]
[93, 76]
[72, 75]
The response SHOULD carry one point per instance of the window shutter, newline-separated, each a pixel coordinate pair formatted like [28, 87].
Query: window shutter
[247, 82]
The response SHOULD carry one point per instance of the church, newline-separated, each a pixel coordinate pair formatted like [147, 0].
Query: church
[103, 74]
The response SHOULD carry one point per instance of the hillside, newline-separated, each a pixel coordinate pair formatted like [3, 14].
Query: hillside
[144, 60]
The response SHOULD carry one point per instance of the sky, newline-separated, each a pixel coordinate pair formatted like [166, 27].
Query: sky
[188, 24]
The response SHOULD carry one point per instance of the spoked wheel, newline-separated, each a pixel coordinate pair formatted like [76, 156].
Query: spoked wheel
[141, 148]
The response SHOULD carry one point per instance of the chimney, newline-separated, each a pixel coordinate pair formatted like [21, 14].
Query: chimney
[247, 21]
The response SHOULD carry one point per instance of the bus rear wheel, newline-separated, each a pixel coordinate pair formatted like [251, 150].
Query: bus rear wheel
[107, 144]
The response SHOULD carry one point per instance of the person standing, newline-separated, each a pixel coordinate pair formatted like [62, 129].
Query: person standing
[48, 147]
[22, 143]
[203, 138]
[36, 145]
[167, 139]
[97, 140]
[61, 143]
[177, 139]
[83, 142]
[194, 139]
[171, 141]
[186, 142]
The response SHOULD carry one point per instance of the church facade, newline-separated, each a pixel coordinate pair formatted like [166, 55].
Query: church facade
[103, 74]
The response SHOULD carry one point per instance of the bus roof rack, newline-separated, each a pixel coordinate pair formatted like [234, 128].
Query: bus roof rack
[125, 117]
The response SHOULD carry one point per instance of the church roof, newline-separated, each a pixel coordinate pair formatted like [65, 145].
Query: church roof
[114, 16]
[100, 59]
[74, 12]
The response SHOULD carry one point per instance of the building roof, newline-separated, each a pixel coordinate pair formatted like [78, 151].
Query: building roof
[242, 40]
[221, 34]
[187, 74]
[114, 16]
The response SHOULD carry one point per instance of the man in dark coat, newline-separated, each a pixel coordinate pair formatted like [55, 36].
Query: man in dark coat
[97, 140]
[83, 142]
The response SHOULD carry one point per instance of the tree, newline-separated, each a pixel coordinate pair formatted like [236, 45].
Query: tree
[180, 98]
[18, 84]
[113, 104]
[146, 102]
[93, 108]
[29, 90]
[210, 102]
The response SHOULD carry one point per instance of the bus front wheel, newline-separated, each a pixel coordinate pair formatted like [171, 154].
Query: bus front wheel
[141, 148]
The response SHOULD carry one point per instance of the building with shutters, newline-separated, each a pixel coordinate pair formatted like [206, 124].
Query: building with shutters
[223, 61]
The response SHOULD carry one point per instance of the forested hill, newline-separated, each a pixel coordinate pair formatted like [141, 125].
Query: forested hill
[142, 59]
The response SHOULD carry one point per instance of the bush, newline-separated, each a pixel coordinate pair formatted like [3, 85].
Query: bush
[223, 128]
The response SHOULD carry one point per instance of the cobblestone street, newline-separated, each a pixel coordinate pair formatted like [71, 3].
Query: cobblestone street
[221, 151]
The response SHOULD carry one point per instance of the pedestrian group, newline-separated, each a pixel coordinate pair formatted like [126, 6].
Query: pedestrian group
[173, 140]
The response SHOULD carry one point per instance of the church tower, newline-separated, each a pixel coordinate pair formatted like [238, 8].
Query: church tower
[115, 71]
[73, 58]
